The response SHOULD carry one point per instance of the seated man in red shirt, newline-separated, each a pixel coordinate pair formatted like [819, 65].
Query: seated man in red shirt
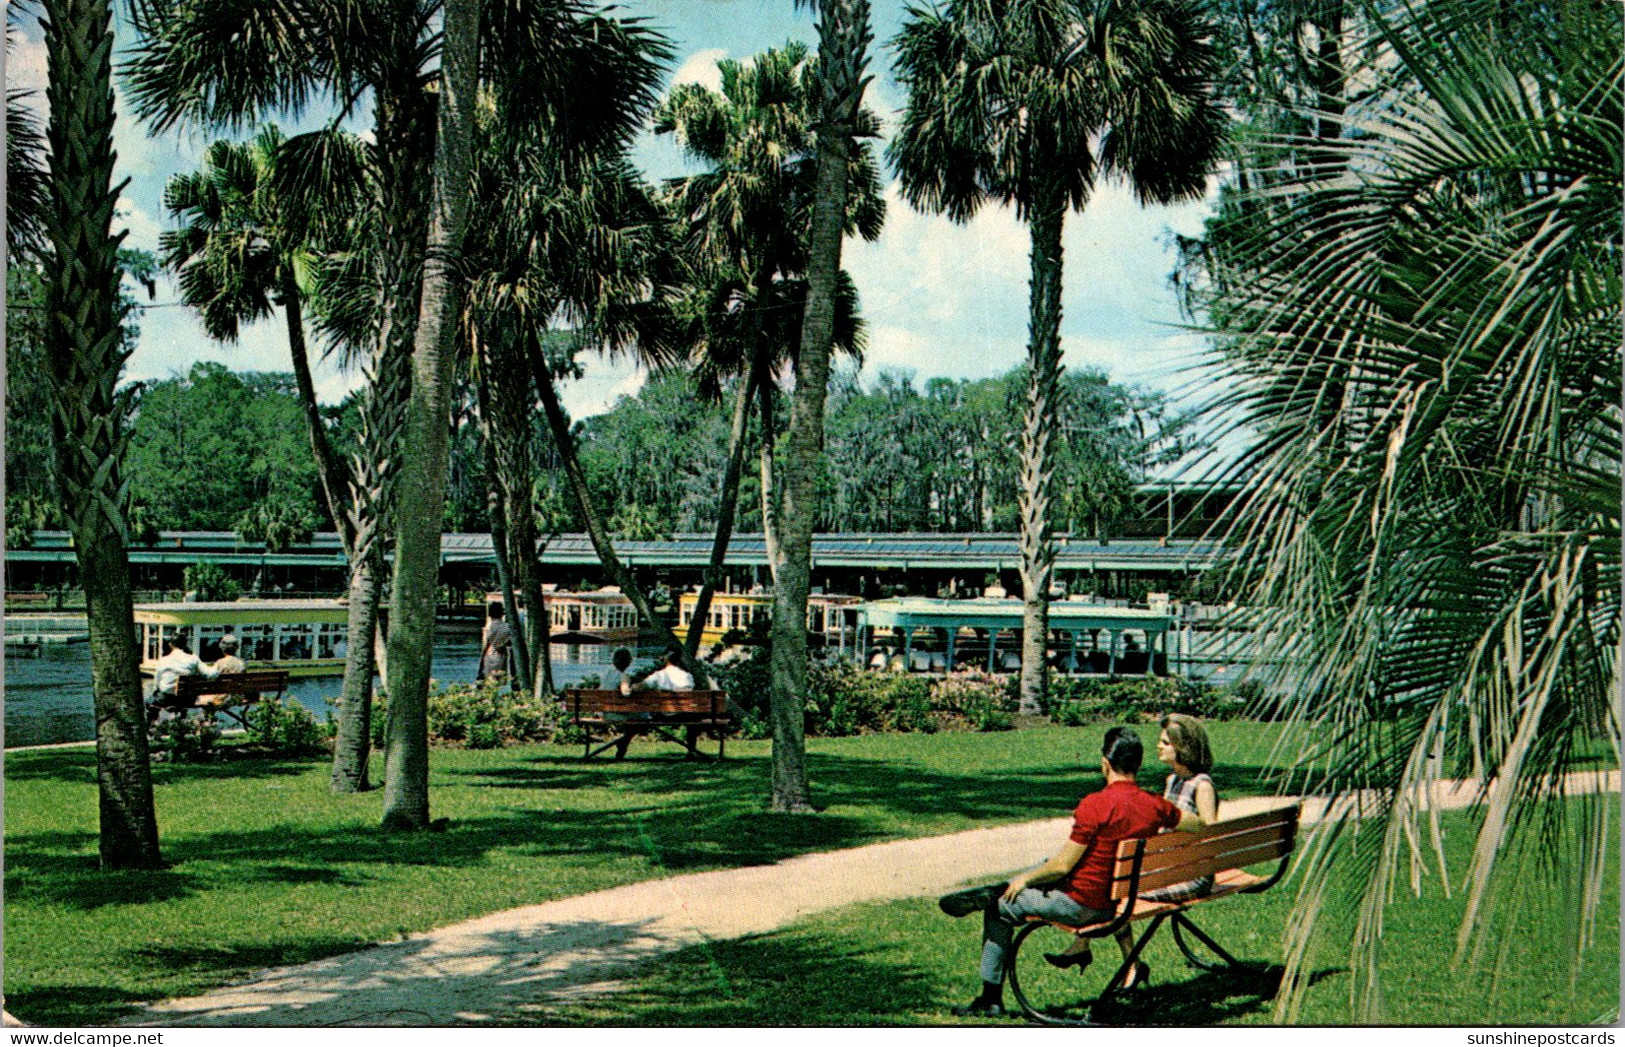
[1078, 877]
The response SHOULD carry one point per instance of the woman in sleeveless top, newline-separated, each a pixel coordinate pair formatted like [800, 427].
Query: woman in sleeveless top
[1183, 746]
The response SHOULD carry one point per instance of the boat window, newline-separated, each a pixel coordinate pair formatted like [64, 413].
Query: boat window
[298, 642]
[258, 643]
[330, 640]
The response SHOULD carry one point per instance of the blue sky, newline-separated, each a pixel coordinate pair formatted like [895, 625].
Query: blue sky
[940, 299]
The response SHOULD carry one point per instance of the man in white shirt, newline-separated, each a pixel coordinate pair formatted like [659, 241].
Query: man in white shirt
[177, 662]
[671, 677]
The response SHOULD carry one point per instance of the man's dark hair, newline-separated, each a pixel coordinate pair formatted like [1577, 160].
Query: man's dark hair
[494, 610]
[179, 642]
[1123, 750]
[674, 656]
[621, 659]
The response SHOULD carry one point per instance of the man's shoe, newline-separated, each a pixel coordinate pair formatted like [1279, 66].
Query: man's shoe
[974, 899]
[979, 1008]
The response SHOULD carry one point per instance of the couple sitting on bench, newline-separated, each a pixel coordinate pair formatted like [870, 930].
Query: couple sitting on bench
[178, 663]
[669, 677]
[1075, 887]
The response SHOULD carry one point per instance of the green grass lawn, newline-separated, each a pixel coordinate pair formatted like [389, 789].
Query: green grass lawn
[268, 867]
[905, 963]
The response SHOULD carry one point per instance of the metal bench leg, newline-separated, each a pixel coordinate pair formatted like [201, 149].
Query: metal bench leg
[1128, 964]
[621, 745]
[1183, 921]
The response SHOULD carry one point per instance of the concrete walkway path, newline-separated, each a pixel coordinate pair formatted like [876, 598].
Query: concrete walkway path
[497, 966]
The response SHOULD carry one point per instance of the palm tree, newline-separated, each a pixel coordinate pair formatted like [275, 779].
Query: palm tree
[86, 350]
[1031, 104]
[250, 221]
[747, 218]
[579, 237]
[843, 53]
[221, 64]
[424, 455]
[1428, 353]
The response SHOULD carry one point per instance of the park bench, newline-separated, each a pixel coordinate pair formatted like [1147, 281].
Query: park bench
[625, 716]
[1222, 850]
[241, 689]
[28, 598]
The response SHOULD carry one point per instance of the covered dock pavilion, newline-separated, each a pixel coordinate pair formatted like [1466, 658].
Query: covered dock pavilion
[1081, 624]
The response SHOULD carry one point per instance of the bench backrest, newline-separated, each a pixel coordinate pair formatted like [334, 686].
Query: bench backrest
[1177, 857]
[234, 683]
[594, 702]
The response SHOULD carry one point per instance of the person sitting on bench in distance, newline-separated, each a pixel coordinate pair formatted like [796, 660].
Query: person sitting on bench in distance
[616, 678]
[669, 677]
[178, 661]
[1080, 873]
[227, 664]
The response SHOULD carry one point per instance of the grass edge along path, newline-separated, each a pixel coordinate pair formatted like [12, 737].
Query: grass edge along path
[509, 965]
[268, 868]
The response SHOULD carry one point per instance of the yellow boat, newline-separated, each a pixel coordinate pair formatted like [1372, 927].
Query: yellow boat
[305, 637]
[826, 614]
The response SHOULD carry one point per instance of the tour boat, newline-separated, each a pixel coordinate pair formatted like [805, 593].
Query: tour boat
[601, 616]
[827, 620]
[305, 637]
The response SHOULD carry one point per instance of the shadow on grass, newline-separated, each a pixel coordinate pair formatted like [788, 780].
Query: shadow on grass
[685, 816]
[1209, 998]
[776, 979]
[78, 766]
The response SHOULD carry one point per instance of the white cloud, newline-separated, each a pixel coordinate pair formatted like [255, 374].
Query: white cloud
[701, 68]
[604, 381]
[144, 228]
[25, 71]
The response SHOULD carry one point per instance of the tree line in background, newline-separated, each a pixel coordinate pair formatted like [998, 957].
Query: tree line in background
[1411, 281]
[219, 450]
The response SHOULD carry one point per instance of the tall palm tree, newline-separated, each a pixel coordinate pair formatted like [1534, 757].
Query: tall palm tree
[251, 219]
[1031, 103]
[219, 64]
[843, 54]
[86, 350]
[583, 239]
[424, 454]
[747, 219]
[1428, 353]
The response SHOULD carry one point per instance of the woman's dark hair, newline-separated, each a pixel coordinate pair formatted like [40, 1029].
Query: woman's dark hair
[1189, 739]
[1123, 750]
[493, 610]
[621, 659]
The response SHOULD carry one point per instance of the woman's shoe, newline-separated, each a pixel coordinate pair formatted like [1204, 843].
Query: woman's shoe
[1063, 960]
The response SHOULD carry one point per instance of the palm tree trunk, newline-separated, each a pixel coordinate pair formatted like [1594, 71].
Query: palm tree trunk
[843, 41]
[512, 405]
[497, 515]
[353, 746]
[597, 533]
[86, 351]
[1047, 219]
[770, 523]
[328, 468]
[423, 466]
[728, 503]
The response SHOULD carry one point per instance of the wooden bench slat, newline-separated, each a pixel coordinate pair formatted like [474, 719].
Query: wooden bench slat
[1228, 827]
[1192, 848]
[1263, 852]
